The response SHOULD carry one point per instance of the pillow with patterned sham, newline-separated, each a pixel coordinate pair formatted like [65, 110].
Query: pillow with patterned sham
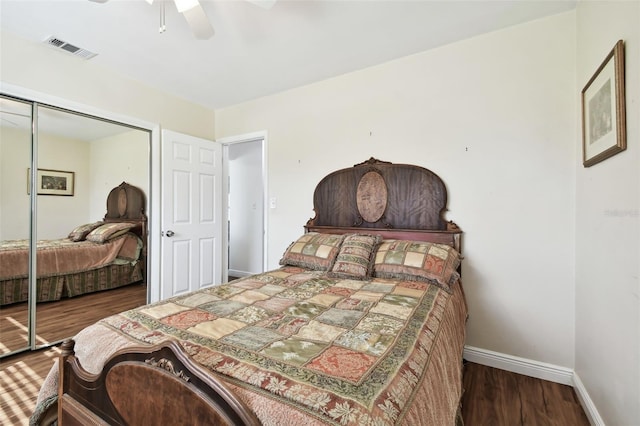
[355, 258]
[417, 261]
[81, 232]
[107, 231]
[313, 251]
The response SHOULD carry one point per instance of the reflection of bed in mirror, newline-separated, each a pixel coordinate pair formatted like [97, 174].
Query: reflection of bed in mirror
[98, 256]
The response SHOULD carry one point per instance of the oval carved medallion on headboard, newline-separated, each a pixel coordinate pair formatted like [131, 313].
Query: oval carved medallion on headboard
[371, 196]
[122, 202]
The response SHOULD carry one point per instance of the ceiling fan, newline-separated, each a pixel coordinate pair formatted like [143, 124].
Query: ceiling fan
[195, 15]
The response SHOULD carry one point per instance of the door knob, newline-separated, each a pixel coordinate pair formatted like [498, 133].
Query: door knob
[170, 233]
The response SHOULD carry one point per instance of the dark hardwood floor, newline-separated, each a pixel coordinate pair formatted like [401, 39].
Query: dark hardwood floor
[21, 375]
[492, 397]
[496, 397]
[20, 379]
[65, 317]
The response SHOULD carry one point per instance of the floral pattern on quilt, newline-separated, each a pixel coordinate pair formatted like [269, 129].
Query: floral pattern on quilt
[345, 351]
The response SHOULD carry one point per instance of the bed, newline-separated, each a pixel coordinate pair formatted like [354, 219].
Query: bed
[96, 256]
[363, 323]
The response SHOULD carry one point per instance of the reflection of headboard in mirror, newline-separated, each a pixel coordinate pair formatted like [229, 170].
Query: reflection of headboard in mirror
[394, 200]
[126, 203]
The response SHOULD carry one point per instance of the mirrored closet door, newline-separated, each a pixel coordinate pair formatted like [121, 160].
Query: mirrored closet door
[78, 160]
[15, 158]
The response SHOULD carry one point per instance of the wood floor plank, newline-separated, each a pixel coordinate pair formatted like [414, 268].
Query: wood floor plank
[63, 318]
[497, 397]
[22, 375]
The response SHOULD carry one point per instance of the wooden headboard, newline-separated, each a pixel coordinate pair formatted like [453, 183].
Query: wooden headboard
[393, 200]
[126, 203]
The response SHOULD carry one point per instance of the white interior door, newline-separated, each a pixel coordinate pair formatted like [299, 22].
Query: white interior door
[191, 214]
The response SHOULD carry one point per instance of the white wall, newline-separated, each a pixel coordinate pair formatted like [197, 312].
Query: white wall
[57, 215]
[494, 116]
[15, 159]
[116, 159]
[607, 229]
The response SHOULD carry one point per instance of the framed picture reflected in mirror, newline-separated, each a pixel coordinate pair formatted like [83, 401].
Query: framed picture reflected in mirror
[52, 182]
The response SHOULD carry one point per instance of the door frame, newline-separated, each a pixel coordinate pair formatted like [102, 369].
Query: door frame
[226, 142]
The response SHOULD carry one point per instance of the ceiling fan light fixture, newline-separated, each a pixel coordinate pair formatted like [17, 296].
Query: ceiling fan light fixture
[184, 5]
[198, 22]
[149, 1]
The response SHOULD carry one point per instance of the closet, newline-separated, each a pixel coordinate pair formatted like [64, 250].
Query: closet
[85, 157]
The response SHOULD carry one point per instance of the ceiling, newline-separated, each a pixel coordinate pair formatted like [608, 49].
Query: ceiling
[257, 52]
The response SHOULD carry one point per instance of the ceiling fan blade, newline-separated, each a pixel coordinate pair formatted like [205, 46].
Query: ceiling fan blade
[198, 22]
[265, 4]
[194, 14]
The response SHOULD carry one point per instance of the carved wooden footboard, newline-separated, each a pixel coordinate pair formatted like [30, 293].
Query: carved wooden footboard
[147, 385]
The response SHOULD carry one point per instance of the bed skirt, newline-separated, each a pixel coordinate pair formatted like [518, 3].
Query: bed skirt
[54, 288]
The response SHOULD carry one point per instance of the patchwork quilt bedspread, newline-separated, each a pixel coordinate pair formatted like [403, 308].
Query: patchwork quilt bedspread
[335, 351]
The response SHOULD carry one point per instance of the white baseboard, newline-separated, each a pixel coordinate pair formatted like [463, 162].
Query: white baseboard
[539, 370]
[585, 400]
[528, 367]
[239, 274]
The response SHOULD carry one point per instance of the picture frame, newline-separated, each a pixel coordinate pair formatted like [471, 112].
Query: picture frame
[603, 110]
[53, 182]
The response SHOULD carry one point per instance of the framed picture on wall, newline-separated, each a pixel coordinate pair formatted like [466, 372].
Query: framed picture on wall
[52, 182]
[603, 110]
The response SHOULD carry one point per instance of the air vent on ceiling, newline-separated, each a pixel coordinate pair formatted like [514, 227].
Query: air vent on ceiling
[68, 47]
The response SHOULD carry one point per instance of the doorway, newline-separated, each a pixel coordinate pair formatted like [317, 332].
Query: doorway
[244, 204]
